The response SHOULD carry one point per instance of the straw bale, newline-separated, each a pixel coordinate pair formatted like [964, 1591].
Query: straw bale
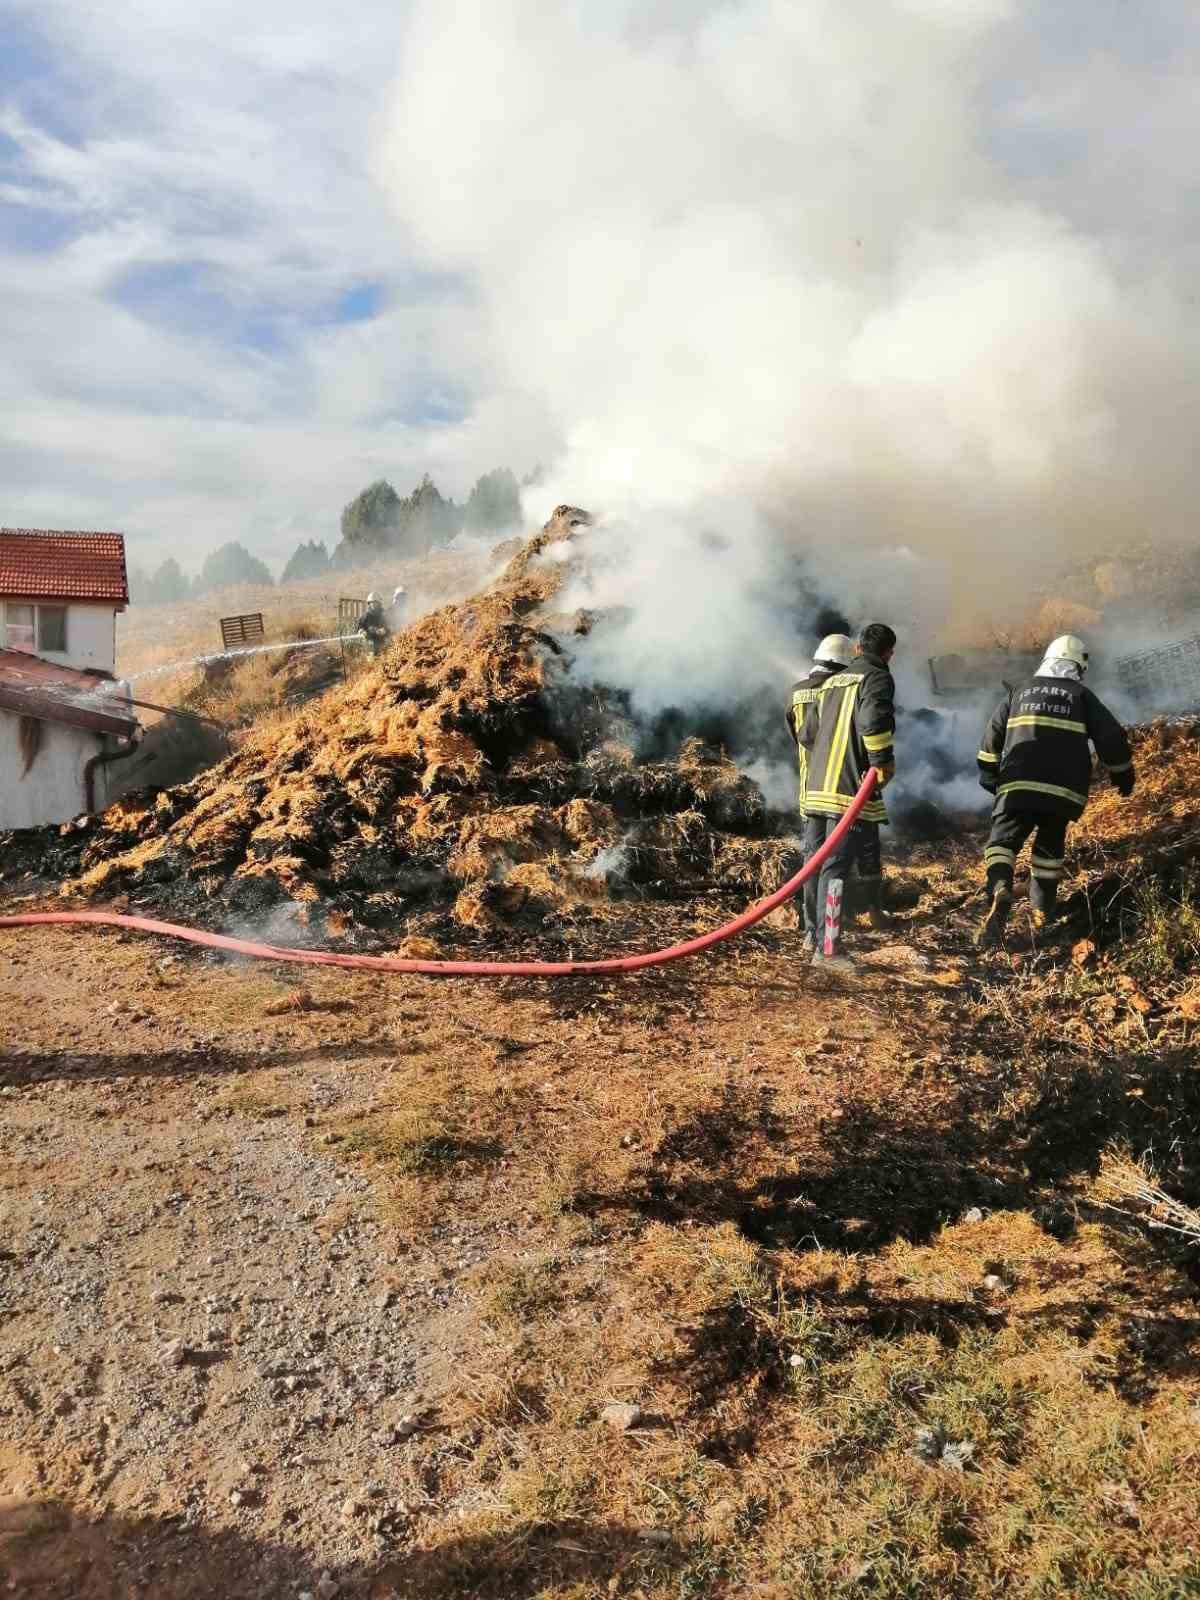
[431, 821]
[535, 757]
[492, 842]
[126, 817]
[267, 882]
[753, 866]
[470, 910]
[673, 846]
[149, 862]
[562, 525]
[533, 887]
[357, 864]
[615, 754]
[724, 794]
[218, 830]
[534, 891]
[588, 824]
[452, 760]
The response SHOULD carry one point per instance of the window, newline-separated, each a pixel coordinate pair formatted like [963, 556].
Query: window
[18, 627]
[33, 628]
[52, 628]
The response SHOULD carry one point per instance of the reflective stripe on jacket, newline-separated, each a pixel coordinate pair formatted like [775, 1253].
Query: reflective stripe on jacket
[804, 694]
[849, 727]
[1036, 751]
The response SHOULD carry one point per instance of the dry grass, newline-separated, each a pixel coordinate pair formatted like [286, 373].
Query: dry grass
[787, 1419]
[1163, 927]
[520, 1291]
[416, 1139]
[151, 635]
[963, 1410]
[1132, 1186]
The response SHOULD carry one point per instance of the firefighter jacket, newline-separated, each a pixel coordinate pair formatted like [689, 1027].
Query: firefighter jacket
[849, 727]
[373, 624]
[803, 694]
[1036, 754]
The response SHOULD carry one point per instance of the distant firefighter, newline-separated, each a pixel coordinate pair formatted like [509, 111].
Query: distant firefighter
[847, 726]
[1036, 758]
[373, 624]
[397, 612]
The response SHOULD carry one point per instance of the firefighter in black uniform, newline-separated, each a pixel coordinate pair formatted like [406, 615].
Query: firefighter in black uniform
[373, 624]
[849, 727]
[1036, 759]
[834, 652]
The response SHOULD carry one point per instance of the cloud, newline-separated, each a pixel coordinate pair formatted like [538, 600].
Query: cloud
[212, 325]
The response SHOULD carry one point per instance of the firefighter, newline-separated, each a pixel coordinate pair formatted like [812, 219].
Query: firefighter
[399, 606]
[834, 652]
[848, 727]
[1036, 759]
[373, 624]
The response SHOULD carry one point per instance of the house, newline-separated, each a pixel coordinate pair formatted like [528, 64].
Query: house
[60, 594]
[61, 733]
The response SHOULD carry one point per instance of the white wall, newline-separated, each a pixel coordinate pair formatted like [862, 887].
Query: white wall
[91, 638]
[52, 791]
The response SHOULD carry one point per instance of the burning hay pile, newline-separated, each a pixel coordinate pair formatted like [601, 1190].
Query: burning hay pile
[461, 771]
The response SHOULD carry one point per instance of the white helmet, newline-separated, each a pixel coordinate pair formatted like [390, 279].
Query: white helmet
[835, 647]
[372, 598]
[1068, 648]
[398, 594]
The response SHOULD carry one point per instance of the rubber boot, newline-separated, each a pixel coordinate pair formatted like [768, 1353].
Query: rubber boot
[1043, 895]
[872, 893]
[996, 920]
[826, 955]
[808, 902]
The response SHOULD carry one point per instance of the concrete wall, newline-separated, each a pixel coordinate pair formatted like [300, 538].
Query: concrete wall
[91, 638]
[53, 789]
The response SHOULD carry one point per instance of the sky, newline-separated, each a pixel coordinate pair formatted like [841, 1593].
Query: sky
[252, 257]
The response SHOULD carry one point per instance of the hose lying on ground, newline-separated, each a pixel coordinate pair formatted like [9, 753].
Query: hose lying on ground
[471, 969]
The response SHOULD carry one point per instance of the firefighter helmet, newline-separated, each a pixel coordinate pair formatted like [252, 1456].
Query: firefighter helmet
[372, 598]
[835, 647]
[1068, 648]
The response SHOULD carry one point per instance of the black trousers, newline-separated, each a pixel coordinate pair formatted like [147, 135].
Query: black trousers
[862, 847]
[1010, 829]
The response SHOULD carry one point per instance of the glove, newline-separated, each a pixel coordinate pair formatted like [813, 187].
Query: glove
[884, 774]
[1123, 782]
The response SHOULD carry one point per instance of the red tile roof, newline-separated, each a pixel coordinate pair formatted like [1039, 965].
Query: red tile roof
[40, 564]
[36, 688]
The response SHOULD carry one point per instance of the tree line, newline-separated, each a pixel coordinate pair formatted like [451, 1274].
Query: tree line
[378, 521]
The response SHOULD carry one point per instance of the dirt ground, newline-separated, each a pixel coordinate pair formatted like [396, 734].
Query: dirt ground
[298, 1287]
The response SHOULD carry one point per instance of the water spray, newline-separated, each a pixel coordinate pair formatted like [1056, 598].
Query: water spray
[246, 650]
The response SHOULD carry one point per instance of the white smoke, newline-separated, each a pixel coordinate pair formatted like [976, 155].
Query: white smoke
[752, 276]
[611, 864]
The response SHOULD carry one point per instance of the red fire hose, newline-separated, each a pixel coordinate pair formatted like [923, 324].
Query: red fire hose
[471, 969]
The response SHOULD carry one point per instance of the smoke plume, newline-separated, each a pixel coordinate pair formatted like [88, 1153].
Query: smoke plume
[762, 283]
